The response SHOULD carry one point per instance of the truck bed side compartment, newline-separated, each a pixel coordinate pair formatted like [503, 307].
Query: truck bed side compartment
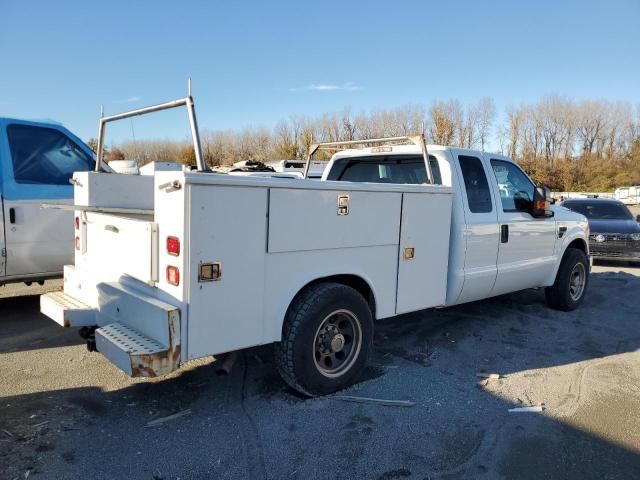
[424, 251]
[309, 219]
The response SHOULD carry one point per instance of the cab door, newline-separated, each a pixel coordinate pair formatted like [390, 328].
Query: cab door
[479, 229]
[525, 253]
[41, 159]
[3, 249]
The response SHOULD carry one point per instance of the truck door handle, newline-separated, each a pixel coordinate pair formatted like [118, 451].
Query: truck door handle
[12, 215]
[504, 233]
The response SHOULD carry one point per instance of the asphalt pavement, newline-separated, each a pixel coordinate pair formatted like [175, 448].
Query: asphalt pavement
[66, 413]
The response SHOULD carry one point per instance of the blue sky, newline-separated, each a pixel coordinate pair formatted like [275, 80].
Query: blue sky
[254, 63]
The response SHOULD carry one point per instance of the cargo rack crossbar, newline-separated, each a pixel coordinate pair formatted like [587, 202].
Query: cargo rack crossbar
[186, 101]
[417, 140]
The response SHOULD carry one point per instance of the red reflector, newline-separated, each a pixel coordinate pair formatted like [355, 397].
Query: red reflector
[173, 275]
[77, 243]
[77, 223]
[173, 246]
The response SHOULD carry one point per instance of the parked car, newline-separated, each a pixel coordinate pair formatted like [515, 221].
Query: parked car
[37, 160]
[615, 233]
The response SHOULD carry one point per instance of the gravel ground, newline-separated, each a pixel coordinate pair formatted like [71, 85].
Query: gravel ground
[66, 413]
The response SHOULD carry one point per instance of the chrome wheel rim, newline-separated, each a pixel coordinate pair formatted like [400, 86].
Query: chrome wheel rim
[337, 343]
[577, 281]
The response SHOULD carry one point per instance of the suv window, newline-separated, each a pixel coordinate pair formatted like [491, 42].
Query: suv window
[385, 169]
[43, 155]
[475, 182]
[597, 210]
[516, 190]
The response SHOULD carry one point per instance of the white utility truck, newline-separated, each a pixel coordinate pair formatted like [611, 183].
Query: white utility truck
[172, 265]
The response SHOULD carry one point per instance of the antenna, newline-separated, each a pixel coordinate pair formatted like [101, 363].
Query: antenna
[189, 87]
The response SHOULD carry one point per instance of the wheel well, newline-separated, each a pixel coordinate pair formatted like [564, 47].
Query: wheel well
[353, 281]
[580, 244]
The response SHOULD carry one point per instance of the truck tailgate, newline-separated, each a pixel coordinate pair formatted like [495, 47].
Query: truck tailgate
[117, 245]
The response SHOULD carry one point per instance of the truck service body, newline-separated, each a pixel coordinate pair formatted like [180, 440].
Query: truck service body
[173, 265]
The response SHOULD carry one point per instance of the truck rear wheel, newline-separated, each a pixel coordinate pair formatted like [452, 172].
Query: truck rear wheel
[326, 338]
[571, 282]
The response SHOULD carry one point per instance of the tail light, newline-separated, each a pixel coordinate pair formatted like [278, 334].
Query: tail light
[173, 246]
[173, 275]
[77, 223]
[77, 243]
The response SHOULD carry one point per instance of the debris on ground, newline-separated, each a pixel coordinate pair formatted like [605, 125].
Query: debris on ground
[376, 401]
[535, 408]
[162, 420]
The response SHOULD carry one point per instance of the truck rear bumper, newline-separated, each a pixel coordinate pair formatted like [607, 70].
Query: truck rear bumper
[66, 310]
[138, 333]
[134, 353]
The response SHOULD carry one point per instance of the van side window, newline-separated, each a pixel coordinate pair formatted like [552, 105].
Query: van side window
[475, 182]
[43, 155]
[516, 190]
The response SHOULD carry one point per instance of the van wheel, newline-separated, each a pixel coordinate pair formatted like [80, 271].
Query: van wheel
[326, 338]
[572, 279]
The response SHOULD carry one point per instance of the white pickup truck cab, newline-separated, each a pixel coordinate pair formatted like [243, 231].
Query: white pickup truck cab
[173, 265]
[37, 161]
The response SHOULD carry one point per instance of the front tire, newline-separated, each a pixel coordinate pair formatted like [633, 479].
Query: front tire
[567, 292]
[326, 339]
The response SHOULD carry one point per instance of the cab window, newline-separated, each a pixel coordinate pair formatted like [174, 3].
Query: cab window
[43, 155]
[476, 185]
[516, 190]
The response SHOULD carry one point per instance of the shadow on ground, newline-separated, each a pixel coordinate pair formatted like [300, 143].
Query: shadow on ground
[23, 327]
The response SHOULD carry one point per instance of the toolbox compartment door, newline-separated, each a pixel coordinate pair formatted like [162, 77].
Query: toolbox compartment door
[312, 220]
[118, 245]
[424, 251]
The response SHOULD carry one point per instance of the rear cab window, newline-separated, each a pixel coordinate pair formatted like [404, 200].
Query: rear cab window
[403, 169]
[45, 156]
[476, 185]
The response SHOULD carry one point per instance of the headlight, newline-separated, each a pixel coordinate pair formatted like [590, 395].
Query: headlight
[599, 238]
[635, 236]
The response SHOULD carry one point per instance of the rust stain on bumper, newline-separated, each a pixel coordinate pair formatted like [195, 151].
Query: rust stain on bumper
[157, 364]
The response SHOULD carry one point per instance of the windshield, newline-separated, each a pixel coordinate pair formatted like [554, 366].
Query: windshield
[600, 210]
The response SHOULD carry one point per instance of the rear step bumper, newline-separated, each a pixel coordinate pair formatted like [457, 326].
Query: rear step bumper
[66, 310]
[137, 332]
[134, 353]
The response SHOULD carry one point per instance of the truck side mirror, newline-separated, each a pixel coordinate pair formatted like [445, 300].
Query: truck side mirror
[541, 207]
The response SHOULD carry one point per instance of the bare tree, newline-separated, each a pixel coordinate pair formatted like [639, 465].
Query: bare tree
[484, 113]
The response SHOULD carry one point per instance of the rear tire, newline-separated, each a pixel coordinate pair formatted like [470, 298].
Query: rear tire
[326, 339]
[572, 279]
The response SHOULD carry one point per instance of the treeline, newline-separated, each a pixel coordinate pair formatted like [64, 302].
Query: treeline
[568, 145]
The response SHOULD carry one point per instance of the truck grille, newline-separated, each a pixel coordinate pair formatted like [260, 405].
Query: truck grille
[614, 245]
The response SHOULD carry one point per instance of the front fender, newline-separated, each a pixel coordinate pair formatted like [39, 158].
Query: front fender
[576, 235]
